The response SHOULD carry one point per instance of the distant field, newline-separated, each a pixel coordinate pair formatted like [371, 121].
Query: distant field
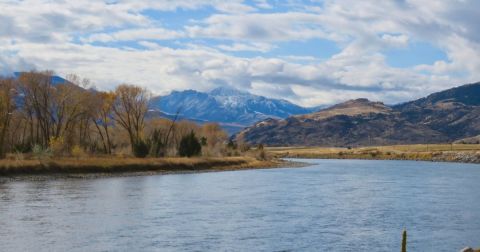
[432, 152]
[403, 148]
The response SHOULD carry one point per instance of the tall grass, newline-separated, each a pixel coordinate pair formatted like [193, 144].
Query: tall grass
[439, 152]
[112, 165]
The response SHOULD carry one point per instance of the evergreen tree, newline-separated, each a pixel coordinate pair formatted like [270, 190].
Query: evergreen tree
[189, 146]
[140, 149]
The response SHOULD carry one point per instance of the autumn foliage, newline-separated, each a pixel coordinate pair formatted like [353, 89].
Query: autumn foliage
[39, 116]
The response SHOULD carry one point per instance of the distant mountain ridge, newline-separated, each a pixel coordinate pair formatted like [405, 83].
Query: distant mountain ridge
[225, 105]
[54, 78]
[444, 116]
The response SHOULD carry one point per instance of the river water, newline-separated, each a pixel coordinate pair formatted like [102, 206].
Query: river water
[332, 205]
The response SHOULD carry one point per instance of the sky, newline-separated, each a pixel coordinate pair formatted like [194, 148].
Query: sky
[310, 52]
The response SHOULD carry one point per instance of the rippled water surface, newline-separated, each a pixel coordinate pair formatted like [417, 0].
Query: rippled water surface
[334, 205]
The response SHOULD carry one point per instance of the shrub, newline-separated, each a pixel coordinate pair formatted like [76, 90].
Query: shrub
[232, 145]
[140, 149]
[78, 152]
[262, 155]
[23, 148]
[57, 146]
[374, 154]
[203, 141]
[39, 153]
[156, 144]
[244, 147]
[189, 145]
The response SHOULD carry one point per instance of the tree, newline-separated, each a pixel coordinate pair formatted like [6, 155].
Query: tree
[214, 134]
[70, 107]
[215, 139]
[53, 110]
[130, 109]
[160, 134]
[181, 129]
[102, 118]
[141, 149]
[189, 145]
[7, 106]
[37, 91]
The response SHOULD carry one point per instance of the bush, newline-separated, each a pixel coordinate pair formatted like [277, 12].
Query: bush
[78, 152]
[261, 155]
[189, 145]
[232, 145]
[140, 149]
[156, 144]
[39, 153]
[57, 146]
[203, 141]
[244, 147]
[23, 148]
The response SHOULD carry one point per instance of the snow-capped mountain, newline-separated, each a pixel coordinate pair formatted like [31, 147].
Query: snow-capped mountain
[225, 105]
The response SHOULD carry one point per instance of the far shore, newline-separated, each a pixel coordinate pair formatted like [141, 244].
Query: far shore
[127, 166]
[98, 166]
[461, 153]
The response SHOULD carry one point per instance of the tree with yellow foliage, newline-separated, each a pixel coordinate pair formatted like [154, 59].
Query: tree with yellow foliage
[130, 109]
[7, 106]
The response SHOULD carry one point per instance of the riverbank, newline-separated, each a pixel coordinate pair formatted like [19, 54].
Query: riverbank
[109, 165]
[462, 153]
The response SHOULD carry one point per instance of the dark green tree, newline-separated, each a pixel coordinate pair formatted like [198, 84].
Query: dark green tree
[231, 144]
[140, 149]
[189, 145]
[157, 143]
[203, 141]
[404, 241]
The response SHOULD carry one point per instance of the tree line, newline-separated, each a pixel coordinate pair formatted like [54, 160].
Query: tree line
[70, 118]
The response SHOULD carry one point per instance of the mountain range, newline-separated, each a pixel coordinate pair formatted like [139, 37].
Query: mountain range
[232, 108]
[446, 116]
[452, 115]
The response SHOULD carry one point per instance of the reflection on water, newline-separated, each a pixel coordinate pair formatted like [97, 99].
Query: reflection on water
[334, 205]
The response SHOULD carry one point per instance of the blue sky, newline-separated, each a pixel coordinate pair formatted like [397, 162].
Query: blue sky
[310, 52]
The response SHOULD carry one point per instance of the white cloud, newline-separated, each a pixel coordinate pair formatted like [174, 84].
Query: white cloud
[261, 27]
[59, 35]
[134, 34]
[254, 47]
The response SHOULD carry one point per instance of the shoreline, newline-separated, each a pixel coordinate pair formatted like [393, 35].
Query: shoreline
[411, 153]
[106, 167]
[379, 159]
[121, 166]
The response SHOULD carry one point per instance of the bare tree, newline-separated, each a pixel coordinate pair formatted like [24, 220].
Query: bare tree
[102, 117]
[7, 106]
[130, 109]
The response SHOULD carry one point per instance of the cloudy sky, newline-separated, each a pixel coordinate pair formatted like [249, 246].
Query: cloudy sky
[310, 52]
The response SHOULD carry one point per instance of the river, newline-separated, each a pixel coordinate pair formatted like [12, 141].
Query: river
[332, 205]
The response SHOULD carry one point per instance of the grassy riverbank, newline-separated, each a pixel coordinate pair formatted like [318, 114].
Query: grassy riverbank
[466, 153]
[130, 165]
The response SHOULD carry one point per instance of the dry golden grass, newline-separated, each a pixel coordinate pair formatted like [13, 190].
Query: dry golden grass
[116, 165]
[431, 152]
